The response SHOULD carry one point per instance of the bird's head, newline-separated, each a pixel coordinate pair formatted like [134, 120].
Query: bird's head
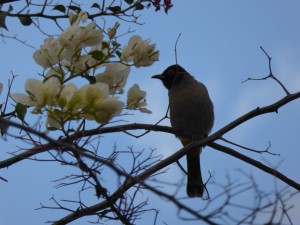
[171, 75]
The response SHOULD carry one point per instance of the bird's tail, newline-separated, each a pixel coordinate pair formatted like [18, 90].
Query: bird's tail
[195, 187]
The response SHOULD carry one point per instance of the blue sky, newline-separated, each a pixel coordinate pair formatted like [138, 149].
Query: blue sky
[220, 46]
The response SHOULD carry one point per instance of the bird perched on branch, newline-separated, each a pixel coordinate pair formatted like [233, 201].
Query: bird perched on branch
[191, 111]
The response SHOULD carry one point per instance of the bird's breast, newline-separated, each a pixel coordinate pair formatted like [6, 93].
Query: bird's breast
[191, 110]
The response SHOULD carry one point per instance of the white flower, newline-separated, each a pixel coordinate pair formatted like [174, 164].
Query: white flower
[74, 38]
[128, 51]
[145, 54]
[67, 48]
[136, 99]
[66, 94]
[107, 109]
[115, 75]
[39, 93]
[101, 54]
[75, 19]
[54, 120]
[78, 65]
[140, 52]
[90, 36]
[57, 117]
[94, 103]
[57, 72]
[47, 55]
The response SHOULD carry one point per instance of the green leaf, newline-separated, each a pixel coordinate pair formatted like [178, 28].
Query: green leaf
[21, 111]
[3, 129]
[26, 21]
[115, 9]
[129, 1]
[52, 128]
[119, 54]
[2, 19]
[96, 5]
[74, 8]
[60, 8]
[91, 79]
[115, 44]
[139, 7]
[105, 45]
[98, 55]
[10, 8]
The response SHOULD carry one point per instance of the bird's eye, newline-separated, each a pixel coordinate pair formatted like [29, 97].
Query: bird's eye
[170, 72]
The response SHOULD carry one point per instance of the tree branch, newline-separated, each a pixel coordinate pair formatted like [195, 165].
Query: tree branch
[64, 144]
[256, 164]
[218, 134]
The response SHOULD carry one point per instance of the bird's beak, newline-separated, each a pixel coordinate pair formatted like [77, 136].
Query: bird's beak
[158, 76]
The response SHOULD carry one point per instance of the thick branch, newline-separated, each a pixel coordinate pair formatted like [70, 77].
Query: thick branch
[52, 143]
[256, 164]
[139, 179]
[36, 150]
[131, 181]
[25, 155]
[171, 159]
[256, 112]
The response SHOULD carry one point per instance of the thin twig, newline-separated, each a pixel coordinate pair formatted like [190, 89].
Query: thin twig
[251, 149]
[271, 75]
[175, 49]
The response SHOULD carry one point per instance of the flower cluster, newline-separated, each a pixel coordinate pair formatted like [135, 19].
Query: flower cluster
[140, 52]
[136, 99]
[67, 48]
[93, 102]
[41, 93]
[77, 53]
[115, 76]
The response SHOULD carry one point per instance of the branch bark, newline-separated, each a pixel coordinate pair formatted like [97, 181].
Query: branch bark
[218, 134]
[64, 143]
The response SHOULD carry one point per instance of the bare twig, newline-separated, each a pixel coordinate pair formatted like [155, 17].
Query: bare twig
[251, 149]
[271, 75]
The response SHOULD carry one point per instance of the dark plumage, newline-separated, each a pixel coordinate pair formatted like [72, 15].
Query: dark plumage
[191, 111]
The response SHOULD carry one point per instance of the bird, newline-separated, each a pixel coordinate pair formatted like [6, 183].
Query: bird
[192, 112]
